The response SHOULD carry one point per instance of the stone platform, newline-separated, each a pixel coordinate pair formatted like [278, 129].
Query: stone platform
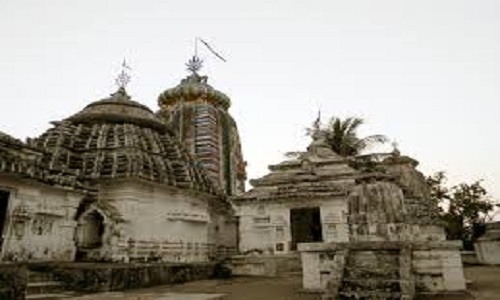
[106, 277]
[152, 296]
[401, 269]
[266, 265]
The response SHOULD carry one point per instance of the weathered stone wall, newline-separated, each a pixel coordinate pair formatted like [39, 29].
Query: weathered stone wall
[40, 221]
[265, 265]
[158, 223]
[488, 252]
[88, 277]
[488, 246]
[435, 266]
[438, 269]
[225, 232]
[13, 281]
[265, 225]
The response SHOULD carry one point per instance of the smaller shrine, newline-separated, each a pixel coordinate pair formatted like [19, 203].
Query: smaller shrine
[488, 245]
[364, 226]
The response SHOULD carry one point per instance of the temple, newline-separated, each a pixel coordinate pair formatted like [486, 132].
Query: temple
[364, 226]
[118, 183]
[115, 183]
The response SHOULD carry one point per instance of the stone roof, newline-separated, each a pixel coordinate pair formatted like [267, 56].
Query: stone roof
[25, 160]
[120, 138]
[319, 172]
[192, 88]
[9, 140]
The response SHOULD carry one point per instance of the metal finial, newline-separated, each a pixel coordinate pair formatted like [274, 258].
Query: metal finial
[317, 122]
[123, 78]
[194, 64]
[395, 149]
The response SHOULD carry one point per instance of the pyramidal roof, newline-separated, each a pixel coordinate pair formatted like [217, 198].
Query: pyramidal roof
[318, 172]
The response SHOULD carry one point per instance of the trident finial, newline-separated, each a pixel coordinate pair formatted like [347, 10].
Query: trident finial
[123, 78]
[194, 64]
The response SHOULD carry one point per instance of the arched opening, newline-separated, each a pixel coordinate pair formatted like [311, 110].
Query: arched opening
[90, 231]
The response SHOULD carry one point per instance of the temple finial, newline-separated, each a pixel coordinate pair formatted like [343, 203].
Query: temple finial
[317, 122]
[123, 78]
[194, 64]
[395, 150]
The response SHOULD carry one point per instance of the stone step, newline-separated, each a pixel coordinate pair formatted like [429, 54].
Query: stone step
[49, 296]
[35, 276]
[45, 287]
[372, 284]
[372, 295]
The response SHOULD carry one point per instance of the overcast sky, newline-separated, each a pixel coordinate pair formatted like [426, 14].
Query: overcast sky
[425, 73]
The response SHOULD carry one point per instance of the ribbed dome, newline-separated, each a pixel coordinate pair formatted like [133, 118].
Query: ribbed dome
[193, 88]
[120, 138]
[118, 108]
[6, 138]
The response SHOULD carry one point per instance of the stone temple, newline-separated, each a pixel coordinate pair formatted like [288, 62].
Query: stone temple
[118, 184]
[115, 182]
[364, 226]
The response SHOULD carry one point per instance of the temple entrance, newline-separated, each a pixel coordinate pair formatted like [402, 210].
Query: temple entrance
[305, 226]
[4, 204]
[90, 231]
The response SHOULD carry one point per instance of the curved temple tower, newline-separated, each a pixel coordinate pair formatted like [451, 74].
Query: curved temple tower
[198, 114]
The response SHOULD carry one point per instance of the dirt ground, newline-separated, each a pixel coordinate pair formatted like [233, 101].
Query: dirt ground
[485, 285]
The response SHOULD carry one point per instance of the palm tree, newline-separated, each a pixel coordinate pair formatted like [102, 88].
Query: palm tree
[343, 139]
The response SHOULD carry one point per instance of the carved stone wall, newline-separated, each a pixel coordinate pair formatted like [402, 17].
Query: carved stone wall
[40, 221]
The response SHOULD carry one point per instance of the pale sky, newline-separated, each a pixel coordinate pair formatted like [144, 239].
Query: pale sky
[425, 73]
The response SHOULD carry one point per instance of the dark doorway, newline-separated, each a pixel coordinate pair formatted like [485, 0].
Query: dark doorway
[4, 204]
[91, 231]
[306, 226]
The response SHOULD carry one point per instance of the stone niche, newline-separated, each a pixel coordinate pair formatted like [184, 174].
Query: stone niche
[488, 246]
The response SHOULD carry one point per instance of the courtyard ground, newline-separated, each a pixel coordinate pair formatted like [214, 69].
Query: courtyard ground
[485, 285]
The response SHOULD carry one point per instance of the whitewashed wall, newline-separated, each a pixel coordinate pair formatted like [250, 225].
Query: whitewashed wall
[173, 224]
[40, 221]
[265, 224]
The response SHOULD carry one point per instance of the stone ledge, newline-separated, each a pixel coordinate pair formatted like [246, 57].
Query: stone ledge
[382, 245]
[105, 277]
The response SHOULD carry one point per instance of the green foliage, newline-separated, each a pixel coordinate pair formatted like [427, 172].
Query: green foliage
[465, 208]
[343, 138]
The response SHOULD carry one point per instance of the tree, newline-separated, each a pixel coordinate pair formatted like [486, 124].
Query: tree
[465, 208]
[343, 137]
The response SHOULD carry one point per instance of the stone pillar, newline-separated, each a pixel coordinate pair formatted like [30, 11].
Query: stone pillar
[311, 277]
[453, 275]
